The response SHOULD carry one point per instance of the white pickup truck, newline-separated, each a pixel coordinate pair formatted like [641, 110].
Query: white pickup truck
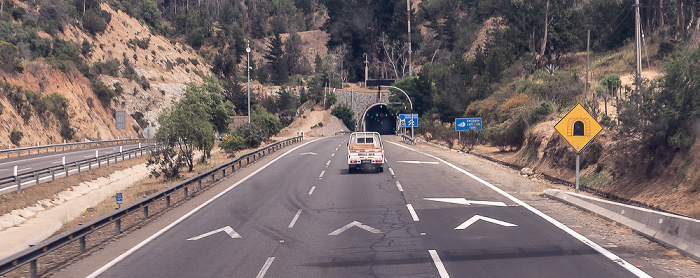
[365, 150]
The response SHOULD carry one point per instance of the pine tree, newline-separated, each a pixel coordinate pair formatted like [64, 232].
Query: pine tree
[279, 72]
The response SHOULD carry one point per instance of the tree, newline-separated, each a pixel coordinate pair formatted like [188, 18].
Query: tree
[277, 63]
[266, 122]
[189, 126]
[345, 114]
[296, 62]
[611, 83]
[149, 12]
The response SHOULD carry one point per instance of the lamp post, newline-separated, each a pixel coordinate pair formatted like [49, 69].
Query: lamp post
[247, 49]
[409, 102]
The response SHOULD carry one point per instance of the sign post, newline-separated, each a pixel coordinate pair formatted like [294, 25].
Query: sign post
[578, 128]
[119, 200]
[466, 124]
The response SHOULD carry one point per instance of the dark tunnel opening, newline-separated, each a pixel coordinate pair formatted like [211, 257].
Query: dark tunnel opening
[379, 119]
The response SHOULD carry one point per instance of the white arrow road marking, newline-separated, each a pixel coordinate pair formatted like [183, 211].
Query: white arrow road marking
[308, 153]
[462, 201]
[479, 217]
[357, 224]
[226, 229]
[419, 162]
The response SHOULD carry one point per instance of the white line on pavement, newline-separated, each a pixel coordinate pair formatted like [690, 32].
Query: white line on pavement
[391, 171]
[321, 175]
[167, 228]
[413, 212]
[438, 264]
[631, 268]
[328, 163]
[398, 184]
[312, 190]
[267, 265]
[294, 220]
[333, 154]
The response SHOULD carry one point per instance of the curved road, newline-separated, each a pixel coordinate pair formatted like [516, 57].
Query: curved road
[304, 215]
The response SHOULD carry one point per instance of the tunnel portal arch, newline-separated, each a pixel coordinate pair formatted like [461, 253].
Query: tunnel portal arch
[378, 118]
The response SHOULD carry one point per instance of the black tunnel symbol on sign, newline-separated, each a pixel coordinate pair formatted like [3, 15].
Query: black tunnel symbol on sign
[578, 128]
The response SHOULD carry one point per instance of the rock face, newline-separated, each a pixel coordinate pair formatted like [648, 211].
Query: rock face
[166, 67]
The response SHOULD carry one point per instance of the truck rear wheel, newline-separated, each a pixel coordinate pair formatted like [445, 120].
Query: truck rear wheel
[351, 169]
[381, 169]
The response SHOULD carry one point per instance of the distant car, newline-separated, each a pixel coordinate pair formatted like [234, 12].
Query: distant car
[222, 135]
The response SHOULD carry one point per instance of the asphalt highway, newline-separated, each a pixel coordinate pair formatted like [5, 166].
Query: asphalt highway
[26, 164]
[304, 215]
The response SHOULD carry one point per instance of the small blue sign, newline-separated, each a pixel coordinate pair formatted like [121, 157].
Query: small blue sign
[119, 198]
[467, 124]
[408, 120]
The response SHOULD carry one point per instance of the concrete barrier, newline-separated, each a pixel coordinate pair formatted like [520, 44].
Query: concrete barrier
[670, 230]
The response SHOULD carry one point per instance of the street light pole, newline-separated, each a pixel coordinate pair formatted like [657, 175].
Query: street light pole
[409, 102]
[247, 49]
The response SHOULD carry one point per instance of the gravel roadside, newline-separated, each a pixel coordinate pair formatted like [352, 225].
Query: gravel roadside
[649, 256]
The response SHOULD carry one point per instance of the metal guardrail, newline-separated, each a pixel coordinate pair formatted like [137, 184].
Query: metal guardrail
[6, 153]
[408, 139]
[50, 173]
[32, 254]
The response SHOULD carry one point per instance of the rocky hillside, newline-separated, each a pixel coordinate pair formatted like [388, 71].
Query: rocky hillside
[161, 70]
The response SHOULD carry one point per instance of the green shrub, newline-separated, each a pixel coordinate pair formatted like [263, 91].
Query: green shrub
[103, 92]
[16, 137]
[345, 114]
[267, 123]
[232, 143]
[252, 135]
[540, 112]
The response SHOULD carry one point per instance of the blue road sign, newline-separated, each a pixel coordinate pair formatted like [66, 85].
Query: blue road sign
[119, 198]
[467, 124]
[408, 120]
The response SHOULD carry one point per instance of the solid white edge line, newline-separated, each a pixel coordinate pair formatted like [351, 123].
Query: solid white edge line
[265, 267]
[631, 268]
[438, 263]
[294, 220]
[398, 184]
[166, 228]
[413, 212]
[312, 190]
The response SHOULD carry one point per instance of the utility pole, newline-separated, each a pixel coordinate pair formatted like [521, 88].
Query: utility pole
[366, 69]
[248, 50]
[638, 45]
[588, 52]
[408, 12]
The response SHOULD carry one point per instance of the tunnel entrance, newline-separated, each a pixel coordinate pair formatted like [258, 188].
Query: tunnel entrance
[379, 119]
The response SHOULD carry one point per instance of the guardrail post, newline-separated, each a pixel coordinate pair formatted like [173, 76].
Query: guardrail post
[53, 176]
[186, 193]
[82, 244]
[36, 176]
[199, 183]
[19, 183]
[167, 201]
[247, 160]
[224, 172]
[145, 212]
[77, 164]
[107, 157]
[213, 177]
[33, 269]
[118, 226]
[89, 165]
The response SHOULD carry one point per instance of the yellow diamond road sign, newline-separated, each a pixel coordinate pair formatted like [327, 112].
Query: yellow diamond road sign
[578, 127]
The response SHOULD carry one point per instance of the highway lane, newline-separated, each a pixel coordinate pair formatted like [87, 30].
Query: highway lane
[304, 215]
[35, 162]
